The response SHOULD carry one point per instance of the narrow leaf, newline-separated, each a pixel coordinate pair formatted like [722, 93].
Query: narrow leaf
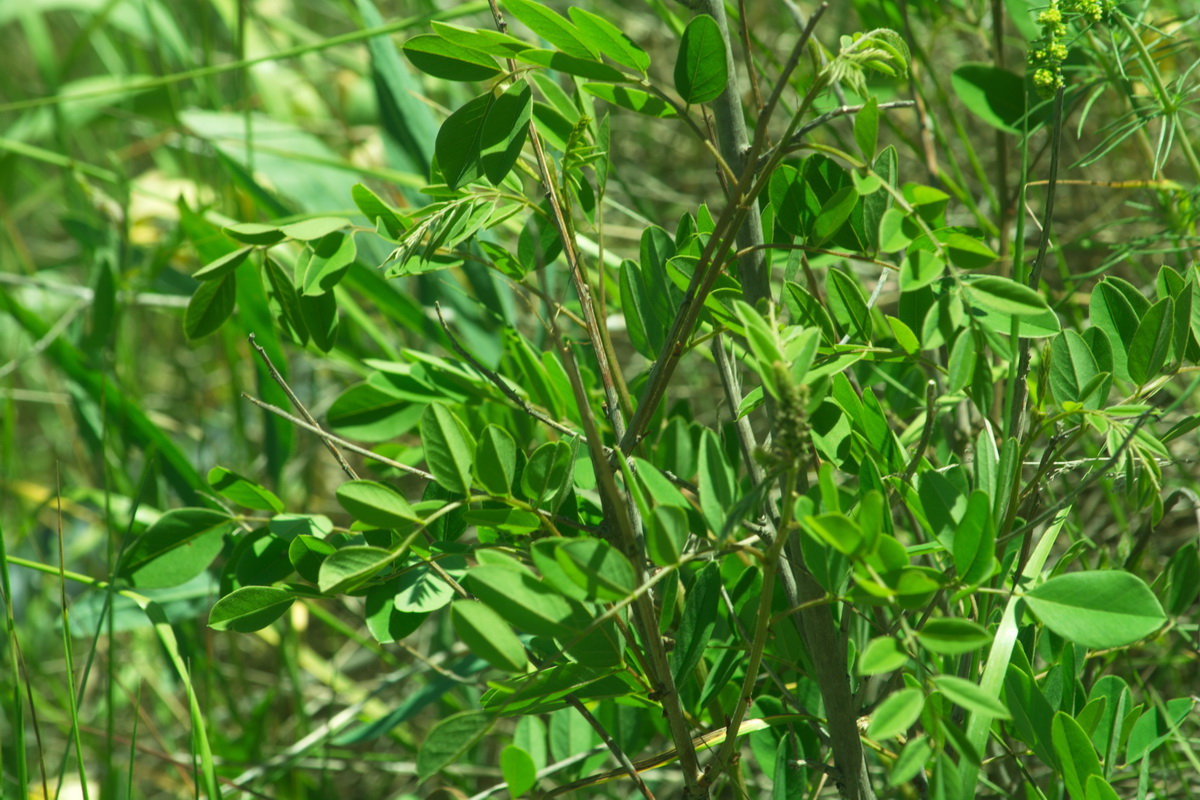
[449, 451]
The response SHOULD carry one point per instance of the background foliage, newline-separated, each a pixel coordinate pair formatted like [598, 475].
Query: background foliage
[152, 152]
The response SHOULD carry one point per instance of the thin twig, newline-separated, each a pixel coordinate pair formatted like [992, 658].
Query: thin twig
[326, 435]
[501, 384]
[283, 384]
[1017, 412]
[612, 746]
[926, 432]
[825, 118]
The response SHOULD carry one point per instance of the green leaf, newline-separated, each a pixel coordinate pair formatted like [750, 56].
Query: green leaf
[285, 303]
[459, 141]
[386, 622]
[368, 413]
[912, 760]
[331, 256]
[975, 540]
[1098, 609]
[487, 635]
[636, 307]
[1072, 367]
[882, 654]
[848, 303]
[376, 504]
[717, 482]
[696, 624]
[449, 448]
[701, 67]
[833, 214]
[586, 68]
[629, 98]
[316, 228]
[967, 252]
[210, 306]
[223, 265]
[242, 490]
[1076, 755]
[951, 636]
[896, 230]
[836, 530]
[607, 39]
[320, 318]
[866, 129]
[896, 714]
[254, 233]
[1007, 296]
[495, 461]
[249, 608]
[968, 695]
[377, 211]
[521, 599]
[666, 534]
[904, 336]
[552, 27]
[350, 567]
[511, 520]
[307, 553]
[517, 766]
[176, 548]
[547, 476]
[597, 567]
[1155, 726]
[1032, 714]
[1111, 312]
[1183, 578]
[420, 589]
[919, 269]
[440, 58]
[505, 130]
[1099, 789]
[483, 40]
[1152, 341]
[449, 739]
[995, 95]
[961, 366]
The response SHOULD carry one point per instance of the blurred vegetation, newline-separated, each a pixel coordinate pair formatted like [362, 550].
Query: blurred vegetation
[130, 130]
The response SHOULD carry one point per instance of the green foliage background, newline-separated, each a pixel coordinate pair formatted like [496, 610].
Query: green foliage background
[132, 133]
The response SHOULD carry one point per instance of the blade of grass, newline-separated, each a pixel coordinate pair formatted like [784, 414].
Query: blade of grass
[1002, 646]
[179, 471]
[408, 23]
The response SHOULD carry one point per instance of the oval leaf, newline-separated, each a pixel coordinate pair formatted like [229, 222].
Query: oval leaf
[375, 504]
[1007, 296]
[249, 608]
[968, 695]
[223, 265]
[449, 739]
[448, 449]
[951, 637]
[440, 58]
[701, 68]
[210, 306]
[488, 636]
[351, 567]
[176, 548]
[1097, 609]
[597, 567]
[896, 714]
